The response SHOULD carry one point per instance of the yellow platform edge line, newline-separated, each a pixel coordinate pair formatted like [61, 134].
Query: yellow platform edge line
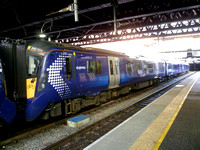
[161, 138]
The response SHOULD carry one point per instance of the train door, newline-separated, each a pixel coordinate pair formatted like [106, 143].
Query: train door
[33, 61]
[114, 72]
[69, 74]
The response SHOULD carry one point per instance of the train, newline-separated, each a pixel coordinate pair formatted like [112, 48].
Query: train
[48, 79]
[7, 107]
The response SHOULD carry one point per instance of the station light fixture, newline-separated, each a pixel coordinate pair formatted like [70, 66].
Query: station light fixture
[128, 30]
[119, 32]
[72, 7]
[42, 35]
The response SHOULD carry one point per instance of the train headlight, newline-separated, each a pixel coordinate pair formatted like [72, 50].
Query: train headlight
[42, 82]
[43, 85]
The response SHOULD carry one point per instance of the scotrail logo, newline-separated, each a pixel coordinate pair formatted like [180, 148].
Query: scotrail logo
[80, 67]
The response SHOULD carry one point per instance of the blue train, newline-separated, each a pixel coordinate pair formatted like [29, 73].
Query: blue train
[47, 79]
[7, 108]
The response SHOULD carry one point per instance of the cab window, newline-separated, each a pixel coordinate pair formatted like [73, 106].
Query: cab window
[33, 64]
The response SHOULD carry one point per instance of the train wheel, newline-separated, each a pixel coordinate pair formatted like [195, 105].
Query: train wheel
[156, 82]
[98, 103]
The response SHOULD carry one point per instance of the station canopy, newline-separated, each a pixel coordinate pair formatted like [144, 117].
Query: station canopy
[83, 22]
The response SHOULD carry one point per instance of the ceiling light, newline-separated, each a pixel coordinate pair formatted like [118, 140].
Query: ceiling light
[42, 35]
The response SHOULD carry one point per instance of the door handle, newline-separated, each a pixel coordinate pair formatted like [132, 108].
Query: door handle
[33, 80]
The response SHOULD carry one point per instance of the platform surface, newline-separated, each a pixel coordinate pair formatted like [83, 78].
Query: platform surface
[149, 127]
[184, 133]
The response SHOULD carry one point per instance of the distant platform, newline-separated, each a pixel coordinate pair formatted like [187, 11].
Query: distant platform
[170, 122]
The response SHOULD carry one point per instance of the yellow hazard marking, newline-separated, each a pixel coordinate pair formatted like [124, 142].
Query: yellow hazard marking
[74, 53]
[160, 140]
[29, 47]
[30, 87]
[153, 136]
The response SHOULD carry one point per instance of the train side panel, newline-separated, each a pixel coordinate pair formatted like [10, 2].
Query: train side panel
[134, 71]
[169, 69]
[161, 69]
[91, 73]
[131, 71]
[57, 79]
[67, 75]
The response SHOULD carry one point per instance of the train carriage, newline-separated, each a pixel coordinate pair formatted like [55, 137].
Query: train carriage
[7, 108]
[47, 73]
[48, 79]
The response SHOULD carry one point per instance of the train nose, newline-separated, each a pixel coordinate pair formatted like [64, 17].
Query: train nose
[35, 106]
[8, 110]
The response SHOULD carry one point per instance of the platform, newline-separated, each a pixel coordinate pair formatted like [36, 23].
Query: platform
[170, 122]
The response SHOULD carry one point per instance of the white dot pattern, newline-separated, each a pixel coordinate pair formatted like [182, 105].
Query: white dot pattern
[55, 76]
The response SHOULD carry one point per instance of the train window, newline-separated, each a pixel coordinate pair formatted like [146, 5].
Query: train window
[94, 67]
[138, 66]
[169, 66]
[117, 67]
[33, 64]
[69, 68]
[90, 66]
[129, 68]
[161, 67]
[151, 67]
[175, 66]
[98, 67]
[111, 67]
[145, 66]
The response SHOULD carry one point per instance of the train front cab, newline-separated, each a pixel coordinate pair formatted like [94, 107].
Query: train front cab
[21, 69]
[51, 80]
[43, 75]
[7, 108]
[63, 75]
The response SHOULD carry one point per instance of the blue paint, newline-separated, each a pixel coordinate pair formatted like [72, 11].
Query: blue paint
[58, 87]
[7, 108]
[78, 118]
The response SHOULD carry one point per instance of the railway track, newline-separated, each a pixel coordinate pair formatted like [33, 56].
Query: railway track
[129, 110]
[32, 132]
[90, 134]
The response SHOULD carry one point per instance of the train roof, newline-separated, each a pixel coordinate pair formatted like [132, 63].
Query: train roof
[94, 50]
[46, 46]
[105, 51]
[144, 58]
